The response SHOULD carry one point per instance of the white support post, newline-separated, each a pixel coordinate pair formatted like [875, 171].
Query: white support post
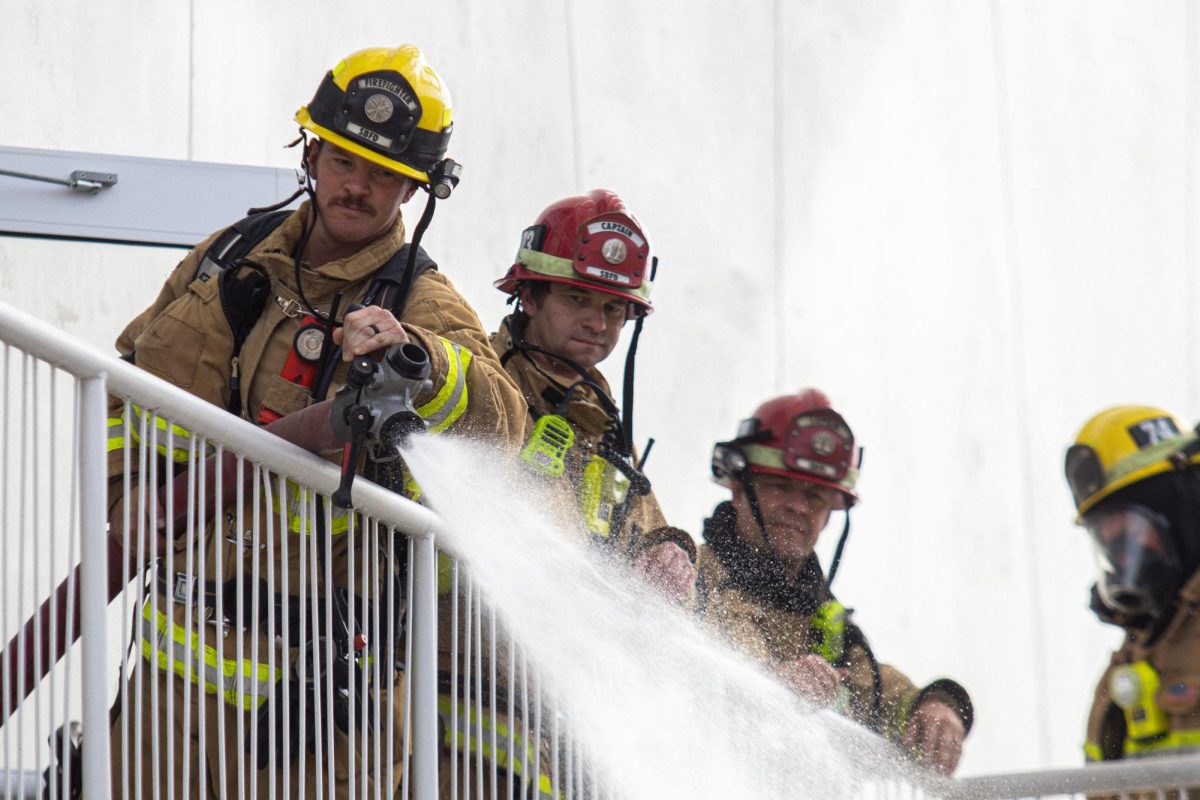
[424, 669]
[93, 588]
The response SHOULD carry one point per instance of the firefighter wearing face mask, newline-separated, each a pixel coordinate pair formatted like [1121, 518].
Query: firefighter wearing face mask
[582, 270]
[1133, 475]
[761, 585]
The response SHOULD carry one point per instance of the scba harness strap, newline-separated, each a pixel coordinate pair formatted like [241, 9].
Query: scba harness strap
[245, 286]
[243, 291]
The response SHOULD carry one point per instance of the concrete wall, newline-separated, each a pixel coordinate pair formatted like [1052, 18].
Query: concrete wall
[972, 223]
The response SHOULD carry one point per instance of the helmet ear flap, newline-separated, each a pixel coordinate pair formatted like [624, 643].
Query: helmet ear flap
[1085, 474]
[729, 464]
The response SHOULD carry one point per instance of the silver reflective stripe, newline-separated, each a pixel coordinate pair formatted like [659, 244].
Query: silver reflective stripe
[459, 730]
[180, 453]
[173, 647]
[451, 401]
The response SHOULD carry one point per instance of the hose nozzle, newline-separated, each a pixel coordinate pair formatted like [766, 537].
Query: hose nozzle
[378, 406]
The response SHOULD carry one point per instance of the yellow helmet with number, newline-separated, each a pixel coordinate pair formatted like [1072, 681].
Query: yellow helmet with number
[386, 105]
[1123, 445]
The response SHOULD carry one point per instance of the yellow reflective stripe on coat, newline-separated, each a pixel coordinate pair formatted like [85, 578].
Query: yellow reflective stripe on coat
[116, 433]
[173, 647]
[1092, 752]
[468, 725]
[299, 503]
[182, 436]
[449, 403]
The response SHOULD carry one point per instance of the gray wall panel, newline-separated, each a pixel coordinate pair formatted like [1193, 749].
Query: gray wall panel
[972, 223]
[154, 201]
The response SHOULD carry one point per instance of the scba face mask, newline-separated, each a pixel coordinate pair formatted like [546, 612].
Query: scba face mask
[1139, 569]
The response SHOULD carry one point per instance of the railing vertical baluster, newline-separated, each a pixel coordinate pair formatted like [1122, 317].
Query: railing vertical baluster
[493, 708]
[93, 482]
[25, 522]
[6, 509]
[424, 669]
[406, 731]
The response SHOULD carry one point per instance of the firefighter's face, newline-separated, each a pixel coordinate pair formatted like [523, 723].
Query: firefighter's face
[358, 200]
[576, 323]
[794, 513]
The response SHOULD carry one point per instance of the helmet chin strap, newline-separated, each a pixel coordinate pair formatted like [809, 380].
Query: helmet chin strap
[837, 553]
[630, 356]
[415, 242]
[516, 330]
[305, 179]
[752, 499]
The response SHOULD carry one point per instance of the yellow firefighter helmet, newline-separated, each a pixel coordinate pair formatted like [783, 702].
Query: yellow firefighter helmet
[1123, 445]
[386, 105]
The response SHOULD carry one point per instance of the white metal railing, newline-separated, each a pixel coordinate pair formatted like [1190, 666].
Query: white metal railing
[1164, 776]
[189, 620]
[167, 664]
[439, 701]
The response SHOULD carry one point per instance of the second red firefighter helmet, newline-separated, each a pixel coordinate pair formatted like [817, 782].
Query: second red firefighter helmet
[591, 241]
[798, 436]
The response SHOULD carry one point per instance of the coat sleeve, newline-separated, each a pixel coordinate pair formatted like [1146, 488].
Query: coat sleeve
[1106, 724]
[882, 697]
[899, 697]
[175, 287]
[732, 616]
[647, 527]
[472, 394]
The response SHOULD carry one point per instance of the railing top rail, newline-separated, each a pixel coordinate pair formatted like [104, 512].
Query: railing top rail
[1138, 774]
[83, 360]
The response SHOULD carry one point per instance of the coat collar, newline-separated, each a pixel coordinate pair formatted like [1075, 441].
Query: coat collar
[544, 387]
[320, 283]
[762, 575]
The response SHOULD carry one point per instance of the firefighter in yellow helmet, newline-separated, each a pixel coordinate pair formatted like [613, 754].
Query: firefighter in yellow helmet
[792, 464]
[1133, 474]
[263, 319]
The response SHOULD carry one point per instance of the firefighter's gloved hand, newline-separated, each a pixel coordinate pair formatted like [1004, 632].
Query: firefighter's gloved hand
[667, 567]
[367, 330]
[934, 734]
[812, 678]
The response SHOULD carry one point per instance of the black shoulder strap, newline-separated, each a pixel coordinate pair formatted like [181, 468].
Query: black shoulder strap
[855, 636]
[236, 241]
[242, 298]
[390, 280]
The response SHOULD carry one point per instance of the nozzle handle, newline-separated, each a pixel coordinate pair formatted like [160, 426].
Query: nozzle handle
[341, 497]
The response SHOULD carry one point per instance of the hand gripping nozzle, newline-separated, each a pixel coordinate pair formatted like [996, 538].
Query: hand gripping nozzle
[378, 405]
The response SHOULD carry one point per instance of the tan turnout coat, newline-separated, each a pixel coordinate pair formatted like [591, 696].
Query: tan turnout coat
[184, 338]
[875, 695]
[645, 525]
[1175, 659]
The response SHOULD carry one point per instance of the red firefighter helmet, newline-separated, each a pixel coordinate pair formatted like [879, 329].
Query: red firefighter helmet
[798, 436]
[591, 241]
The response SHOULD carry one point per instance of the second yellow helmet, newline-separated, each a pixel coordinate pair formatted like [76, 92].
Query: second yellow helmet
[1123, 445]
